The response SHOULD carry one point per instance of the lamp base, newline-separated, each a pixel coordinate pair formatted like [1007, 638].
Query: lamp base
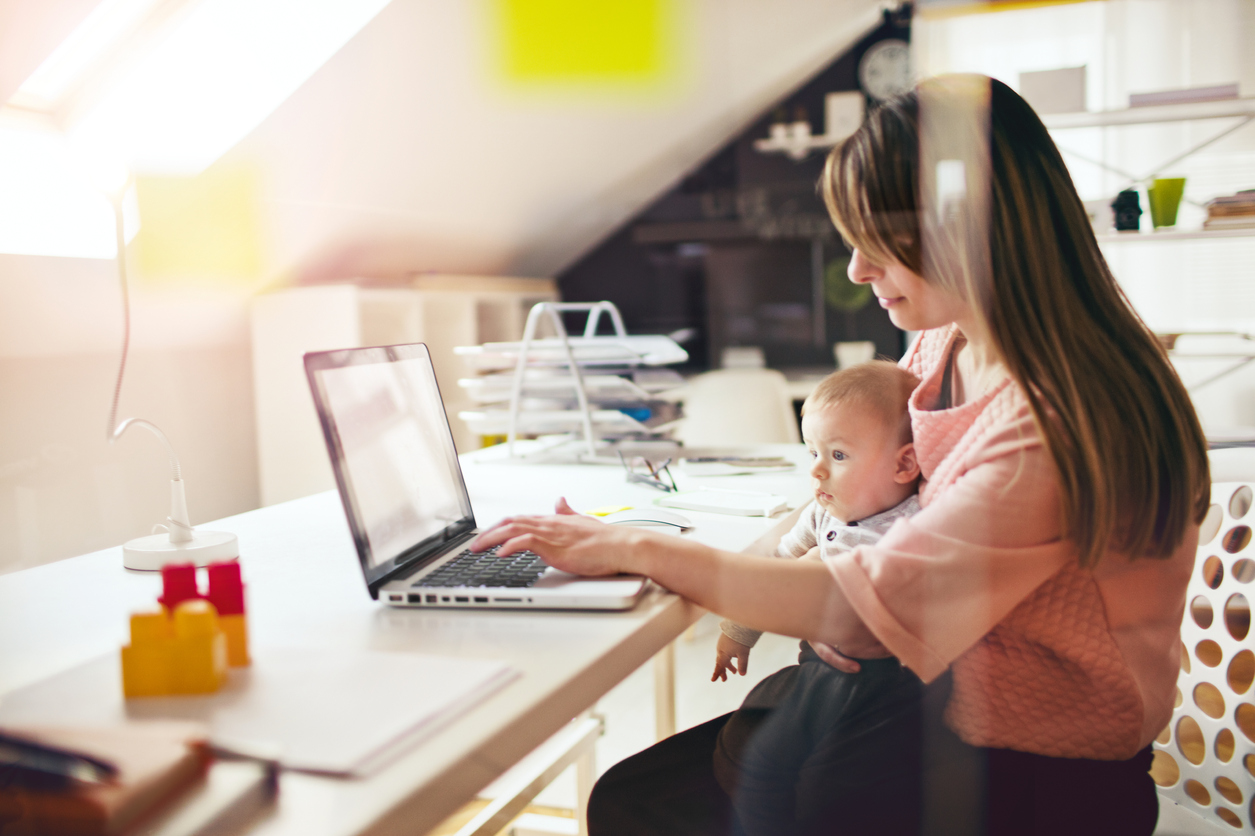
[149, 554]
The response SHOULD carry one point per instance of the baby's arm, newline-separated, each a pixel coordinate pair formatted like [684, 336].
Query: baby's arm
[730, 655]
[735, 640]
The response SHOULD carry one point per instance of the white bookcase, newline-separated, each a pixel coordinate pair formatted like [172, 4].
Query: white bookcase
[439, 310]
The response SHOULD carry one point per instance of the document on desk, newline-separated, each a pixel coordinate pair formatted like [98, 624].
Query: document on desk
[328, 711]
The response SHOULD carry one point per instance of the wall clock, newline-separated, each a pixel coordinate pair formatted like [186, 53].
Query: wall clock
[885, 69]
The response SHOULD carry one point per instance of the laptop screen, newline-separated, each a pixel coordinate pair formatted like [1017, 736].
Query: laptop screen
[392, 452]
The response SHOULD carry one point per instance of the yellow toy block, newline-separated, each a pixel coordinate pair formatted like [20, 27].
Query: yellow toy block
[183, 654]
[200, 652]
[235, 628]
[146, 661]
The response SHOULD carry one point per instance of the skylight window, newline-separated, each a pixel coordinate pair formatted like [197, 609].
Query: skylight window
[221, 70]
[161, 87]
[48, 204]
[100, 34]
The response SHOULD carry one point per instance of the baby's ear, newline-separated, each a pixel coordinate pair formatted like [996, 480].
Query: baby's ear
[906, 469]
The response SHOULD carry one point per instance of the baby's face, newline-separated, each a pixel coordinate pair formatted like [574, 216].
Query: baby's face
[854, 461]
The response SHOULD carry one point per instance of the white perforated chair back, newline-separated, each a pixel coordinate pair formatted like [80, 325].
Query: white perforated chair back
[733, 407]
[1205, 758]
[1235, 464]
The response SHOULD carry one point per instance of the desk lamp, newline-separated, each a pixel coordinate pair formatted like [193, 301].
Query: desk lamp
[174, 541]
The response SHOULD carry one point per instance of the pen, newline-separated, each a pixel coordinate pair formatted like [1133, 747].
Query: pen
[24, 761]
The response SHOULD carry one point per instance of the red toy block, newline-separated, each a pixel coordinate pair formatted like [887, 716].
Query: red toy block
[226, 591]
[178, 583]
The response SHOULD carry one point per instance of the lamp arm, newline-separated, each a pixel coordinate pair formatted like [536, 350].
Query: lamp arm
[176, 472]
[113, 430]
[184, 543]
[177, 523]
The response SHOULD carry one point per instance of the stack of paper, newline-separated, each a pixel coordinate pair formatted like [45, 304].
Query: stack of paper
[718, 501]
[639, 349]
[334, 711]
[618, 377]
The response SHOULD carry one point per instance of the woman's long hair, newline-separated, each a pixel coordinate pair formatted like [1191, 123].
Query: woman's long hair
[959, 181]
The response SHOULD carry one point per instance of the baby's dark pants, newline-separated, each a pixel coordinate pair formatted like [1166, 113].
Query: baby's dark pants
[776, 756]
[815, 751]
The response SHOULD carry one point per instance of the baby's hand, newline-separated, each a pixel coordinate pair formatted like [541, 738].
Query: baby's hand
[732, 656]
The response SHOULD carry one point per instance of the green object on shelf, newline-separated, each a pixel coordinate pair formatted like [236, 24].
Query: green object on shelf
[1164, 196]
[841, 293]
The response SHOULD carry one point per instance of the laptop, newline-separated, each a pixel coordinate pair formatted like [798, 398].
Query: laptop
[405, 498]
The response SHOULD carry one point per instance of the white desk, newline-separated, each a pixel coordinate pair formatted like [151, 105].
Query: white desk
[305, 586]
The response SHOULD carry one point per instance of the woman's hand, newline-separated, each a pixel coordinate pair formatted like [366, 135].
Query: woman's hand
[568, 541]
[871, 649]
[835, 657]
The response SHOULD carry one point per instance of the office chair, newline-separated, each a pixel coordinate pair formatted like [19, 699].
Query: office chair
[734, 407]
[1205, 758]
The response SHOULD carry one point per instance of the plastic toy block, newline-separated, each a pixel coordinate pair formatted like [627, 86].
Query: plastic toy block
[226, 590]
[183, 654]
[235, 628]
[200, 649]
[178, 584]
[149, 629]
[146, 661]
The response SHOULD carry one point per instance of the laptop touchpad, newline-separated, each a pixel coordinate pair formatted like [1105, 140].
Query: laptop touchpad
[575, 584]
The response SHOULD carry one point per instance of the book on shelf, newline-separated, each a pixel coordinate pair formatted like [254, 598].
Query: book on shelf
[1237, 222]
[1235, 211]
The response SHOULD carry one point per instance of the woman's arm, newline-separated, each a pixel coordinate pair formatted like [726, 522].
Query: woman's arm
[940, 580]
[792, 597]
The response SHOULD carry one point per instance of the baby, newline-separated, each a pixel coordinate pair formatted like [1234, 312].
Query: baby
[857, 429]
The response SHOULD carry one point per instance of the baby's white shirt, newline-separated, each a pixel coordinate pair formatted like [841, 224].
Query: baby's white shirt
[816, 527]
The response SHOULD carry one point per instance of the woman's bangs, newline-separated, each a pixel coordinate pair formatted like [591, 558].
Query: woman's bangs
[880, 234]
[846, 196]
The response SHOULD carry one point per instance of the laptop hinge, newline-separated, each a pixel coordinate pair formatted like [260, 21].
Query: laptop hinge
[411, 566]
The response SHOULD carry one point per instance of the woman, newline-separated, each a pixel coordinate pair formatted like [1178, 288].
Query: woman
[1041, 588]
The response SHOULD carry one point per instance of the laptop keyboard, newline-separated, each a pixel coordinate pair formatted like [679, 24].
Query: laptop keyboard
[517, 571]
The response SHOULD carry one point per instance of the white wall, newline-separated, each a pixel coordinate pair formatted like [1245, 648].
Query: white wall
[406, 151]
[63, 490]
[1133, 46]
[403, 154]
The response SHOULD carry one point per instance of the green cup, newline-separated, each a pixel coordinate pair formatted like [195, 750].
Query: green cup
[1164, 196]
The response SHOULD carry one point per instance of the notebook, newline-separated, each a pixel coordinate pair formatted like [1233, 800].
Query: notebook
[403, 493]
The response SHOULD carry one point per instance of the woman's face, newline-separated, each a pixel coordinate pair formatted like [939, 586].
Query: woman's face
[913, 304]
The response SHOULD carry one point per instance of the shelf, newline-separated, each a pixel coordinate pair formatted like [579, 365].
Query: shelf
[1152, 113]
[797, 148]
[1174, 235]
[683, 232]
[1182, 112]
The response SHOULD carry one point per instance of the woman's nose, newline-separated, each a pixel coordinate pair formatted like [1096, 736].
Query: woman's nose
[862, 271]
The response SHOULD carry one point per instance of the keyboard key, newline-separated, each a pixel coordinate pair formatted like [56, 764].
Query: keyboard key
[485, 569]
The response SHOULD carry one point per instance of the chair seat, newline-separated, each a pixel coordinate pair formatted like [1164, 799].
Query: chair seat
[735, 407]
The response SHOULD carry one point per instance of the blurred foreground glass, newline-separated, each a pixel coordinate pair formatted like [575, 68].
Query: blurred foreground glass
[571, 39]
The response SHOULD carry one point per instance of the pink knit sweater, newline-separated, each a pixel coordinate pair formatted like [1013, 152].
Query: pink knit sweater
[1047, 657]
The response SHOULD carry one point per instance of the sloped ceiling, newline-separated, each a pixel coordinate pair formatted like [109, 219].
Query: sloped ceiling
[29, 31]
[406, 153]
